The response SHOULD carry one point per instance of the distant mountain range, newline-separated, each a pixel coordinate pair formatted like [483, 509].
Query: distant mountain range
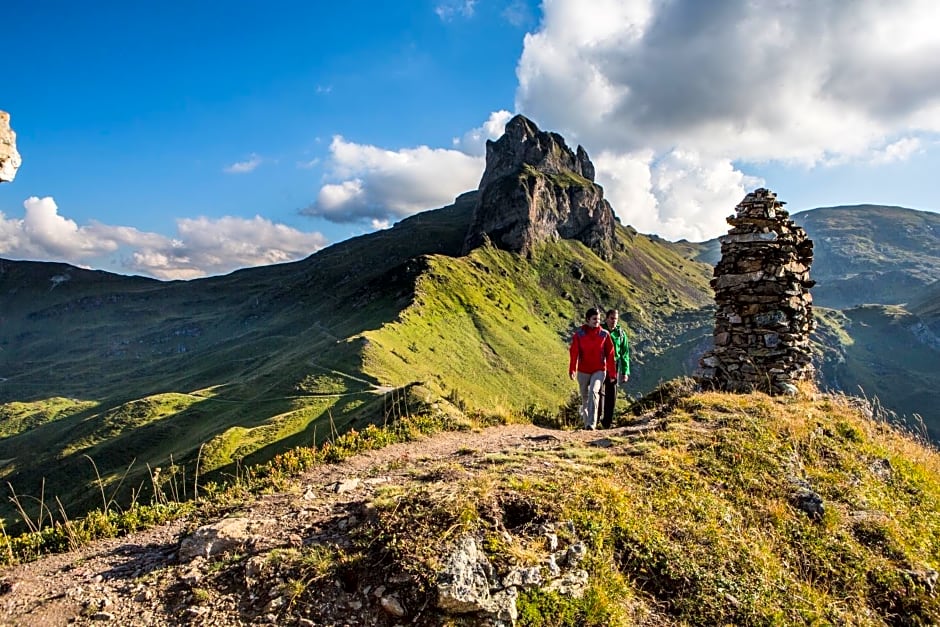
[872, 254]
[130, 372]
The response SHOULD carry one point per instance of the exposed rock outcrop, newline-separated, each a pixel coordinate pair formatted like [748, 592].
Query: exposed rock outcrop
[534, 189]
[9, 158]
[765, 312]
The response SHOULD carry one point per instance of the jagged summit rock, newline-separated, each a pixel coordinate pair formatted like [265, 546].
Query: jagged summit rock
[524, 144]
[535, 189]
[9, 157]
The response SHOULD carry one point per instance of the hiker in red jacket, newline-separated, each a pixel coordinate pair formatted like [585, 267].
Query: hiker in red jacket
[592, 358]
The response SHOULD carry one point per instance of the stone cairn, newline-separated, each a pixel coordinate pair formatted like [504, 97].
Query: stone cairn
[764, 309]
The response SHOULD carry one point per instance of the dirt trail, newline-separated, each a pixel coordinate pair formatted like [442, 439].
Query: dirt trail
[137, 580]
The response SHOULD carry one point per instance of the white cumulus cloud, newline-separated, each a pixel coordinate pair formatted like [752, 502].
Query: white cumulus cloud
[201, 247]
[473, 142]
[677, 97]
[375, 185]
[900, 150]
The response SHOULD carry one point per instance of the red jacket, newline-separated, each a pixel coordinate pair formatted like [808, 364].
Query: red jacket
[592, 350]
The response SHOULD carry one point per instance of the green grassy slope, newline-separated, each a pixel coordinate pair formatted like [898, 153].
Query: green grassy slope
[492, 328]
[881, 351]
[927, 306]
[129, 372]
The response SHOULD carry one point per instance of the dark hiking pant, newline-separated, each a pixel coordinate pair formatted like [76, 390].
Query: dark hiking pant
[608, 400]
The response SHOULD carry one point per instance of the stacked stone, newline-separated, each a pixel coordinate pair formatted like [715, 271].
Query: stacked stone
[765, 312]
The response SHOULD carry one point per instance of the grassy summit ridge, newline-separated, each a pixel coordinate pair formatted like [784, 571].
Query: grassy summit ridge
[691, 516]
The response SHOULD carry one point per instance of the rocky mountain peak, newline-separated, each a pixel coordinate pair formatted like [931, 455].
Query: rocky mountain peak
[9, 157]
[535, 189]
[524, 144]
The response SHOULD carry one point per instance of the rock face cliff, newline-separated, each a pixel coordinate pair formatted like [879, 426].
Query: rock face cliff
[535, 189]
[9, 157]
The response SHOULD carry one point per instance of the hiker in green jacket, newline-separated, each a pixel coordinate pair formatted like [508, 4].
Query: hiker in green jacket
[622, 360]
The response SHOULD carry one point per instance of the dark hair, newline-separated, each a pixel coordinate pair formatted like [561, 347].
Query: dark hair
[591, 313]
[612, 311]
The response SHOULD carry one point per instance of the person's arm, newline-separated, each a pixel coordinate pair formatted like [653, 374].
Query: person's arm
[573, 352]
[610, 363]
[625, 358]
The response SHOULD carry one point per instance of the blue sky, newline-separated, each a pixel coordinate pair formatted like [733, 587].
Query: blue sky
[179, 140]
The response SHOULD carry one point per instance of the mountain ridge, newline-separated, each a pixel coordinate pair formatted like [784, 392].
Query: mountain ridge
[230, 370]
[221, 371]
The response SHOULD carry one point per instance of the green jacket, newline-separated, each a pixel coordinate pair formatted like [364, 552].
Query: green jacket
[621, 348]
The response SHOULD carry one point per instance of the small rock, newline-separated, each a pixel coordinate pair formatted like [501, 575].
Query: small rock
[392, 606]
[524, 577]
[347, 485]
[809, 502]
[224, 536]
[552, 540]
[102, 616]
[573, 584]
[575, 554]
[553, 569]
[788, 389]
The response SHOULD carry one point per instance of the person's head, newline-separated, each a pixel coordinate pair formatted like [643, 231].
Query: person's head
[592, 317]
[612, 317]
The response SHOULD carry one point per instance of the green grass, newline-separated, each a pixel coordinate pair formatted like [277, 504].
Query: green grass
[873, 348]
[232, 370]
[53, 530]
[16, 418]
[493, 328]
[700, 527]
[692, 522]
